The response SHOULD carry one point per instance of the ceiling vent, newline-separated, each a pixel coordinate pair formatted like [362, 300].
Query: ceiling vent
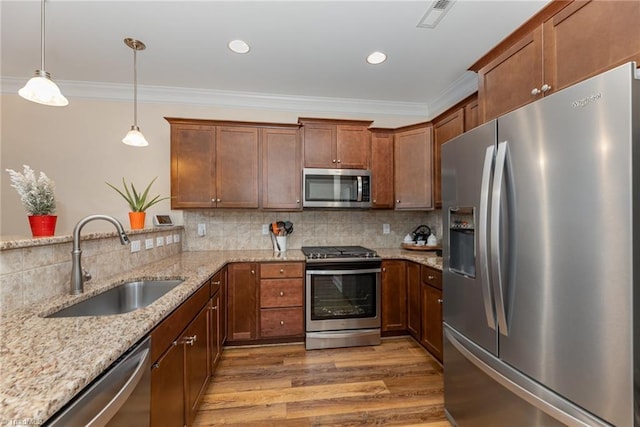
[435, 13]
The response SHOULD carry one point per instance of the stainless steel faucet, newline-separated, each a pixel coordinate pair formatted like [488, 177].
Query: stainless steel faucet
[78, 274]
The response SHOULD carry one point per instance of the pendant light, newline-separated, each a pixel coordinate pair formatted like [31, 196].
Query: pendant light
[41, 88]
[134, 136]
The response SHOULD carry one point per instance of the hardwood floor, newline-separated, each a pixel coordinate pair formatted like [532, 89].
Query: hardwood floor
[396, 383]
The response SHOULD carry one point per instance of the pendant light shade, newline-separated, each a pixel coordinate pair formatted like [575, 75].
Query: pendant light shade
[134, 137]
[41, 88]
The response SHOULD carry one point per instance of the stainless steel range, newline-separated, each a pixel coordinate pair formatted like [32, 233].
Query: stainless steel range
[342, 296]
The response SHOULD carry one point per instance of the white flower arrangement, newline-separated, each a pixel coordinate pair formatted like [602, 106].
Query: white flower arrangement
[37, 195]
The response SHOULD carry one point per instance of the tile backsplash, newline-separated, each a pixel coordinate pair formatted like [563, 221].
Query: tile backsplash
[241, 229]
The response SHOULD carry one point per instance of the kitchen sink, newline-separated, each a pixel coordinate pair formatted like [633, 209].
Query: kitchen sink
[124, 298]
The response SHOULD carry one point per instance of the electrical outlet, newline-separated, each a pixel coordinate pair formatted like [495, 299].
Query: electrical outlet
[159, 241]
[148, 244]
[386, 229]
[265, 229]
[168, 239]
[135, 246]
[176, 238]
[202, 229]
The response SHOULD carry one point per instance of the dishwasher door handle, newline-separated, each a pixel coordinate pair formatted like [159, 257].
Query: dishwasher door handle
[123, 394]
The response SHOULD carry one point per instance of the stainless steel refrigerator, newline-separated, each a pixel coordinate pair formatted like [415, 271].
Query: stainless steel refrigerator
[541, 297]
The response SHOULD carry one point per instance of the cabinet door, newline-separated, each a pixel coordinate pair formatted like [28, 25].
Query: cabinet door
[197, 347]
[382, 170]
[471, 115]
[193, 182]
[431, 336]
[237, 167]
[353, 145]
[281, 169]
[242, 285]
[414, 319]
[589, 37]
[394, 296]
[319, 145]
[506, 82]
[215, 335]
[413, 169]
[444, 129]
[167, 389]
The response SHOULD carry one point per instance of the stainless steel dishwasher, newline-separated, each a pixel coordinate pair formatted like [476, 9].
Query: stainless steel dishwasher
[121, 396]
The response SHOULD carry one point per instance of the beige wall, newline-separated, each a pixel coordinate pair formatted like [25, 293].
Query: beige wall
[79, 147]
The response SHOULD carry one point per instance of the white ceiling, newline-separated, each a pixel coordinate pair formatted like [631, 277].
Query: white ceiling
[299, 49]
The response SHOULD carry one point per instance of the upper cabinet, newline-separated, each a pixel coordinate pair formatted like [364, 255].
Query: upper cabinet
[382, 168]
[330, 144]
[564, 43]
[281, 169]
[236, 167]
[413, 167]
[444, 129]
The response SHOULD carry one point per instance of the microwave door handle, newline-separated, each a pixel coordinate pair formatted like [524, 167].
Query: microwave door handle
[359, 198]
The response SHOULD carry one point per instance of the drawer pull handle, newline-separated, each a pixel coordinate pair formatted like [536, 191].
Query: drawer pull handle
[215, 307]
[281, 293]
[190, 340]
[439, 300]
[217, 282]
[430, 277]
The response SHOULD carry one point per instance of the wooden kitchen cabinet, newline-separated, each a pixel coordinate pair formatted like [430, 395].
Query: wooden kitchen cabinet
[382, 168]
[330, 144]
[414, 311]
[564, 43]
[180, 354]
[281, 168]
[471, 113]
[413, 167]
[444, 128]
[431, 306]
[281, 300]
[213, 164]
[217, 324]
[394, 296]
[242, 301]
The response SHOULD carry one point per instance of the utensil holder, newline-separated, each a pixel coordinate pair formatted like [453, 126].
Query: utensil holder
[282, 242]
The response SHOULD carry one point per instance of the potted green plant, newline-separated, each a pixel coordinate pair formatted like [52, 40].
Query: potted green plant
[38, 198]
[138, 202]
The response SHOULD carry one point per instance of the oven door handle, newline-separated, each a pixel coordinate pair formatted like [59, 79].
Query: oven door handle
[343, 272]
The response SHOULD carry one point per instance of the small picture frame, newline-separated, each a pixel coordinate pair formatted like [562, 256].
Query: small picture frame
[162, 220]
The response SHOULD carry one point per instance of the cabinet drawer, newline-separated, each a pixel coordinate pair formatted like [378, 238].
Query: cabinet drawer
[281, 322]
[280, 293]
[169, 329]
[431, 276]
[275, 270]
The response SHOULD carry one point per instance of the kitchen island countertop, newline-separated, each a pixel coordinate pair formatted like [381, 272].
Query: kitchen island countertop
[44, 362]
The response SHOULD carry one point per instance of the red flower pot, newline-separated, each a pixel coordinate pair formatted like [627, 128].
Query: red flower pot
[43, 225]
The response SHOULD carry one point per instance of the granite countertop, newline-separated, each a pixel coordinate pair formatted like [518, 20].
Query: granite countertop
[44, 362]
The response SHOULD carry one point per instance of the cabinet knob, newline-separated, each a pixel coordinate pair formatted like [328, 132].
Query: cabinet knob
[384, 269]
[397, 201]
[281, 322]
[333, 161]
[218, 200]
[281, 270]
[338, 160]
[281, 293]
[439, 300]
[213, 200]
[253, 272]
[430, 277]
[535, 91]
[298, 201]
[375, 201]
[545, 88]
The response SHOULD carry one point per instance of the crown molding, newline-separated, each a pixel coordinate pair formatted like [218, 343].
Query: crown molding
[254, 100]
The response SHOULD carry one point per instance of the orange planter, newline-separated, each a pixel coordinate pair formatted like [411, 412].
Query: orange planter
[136, 219]
[42, 225]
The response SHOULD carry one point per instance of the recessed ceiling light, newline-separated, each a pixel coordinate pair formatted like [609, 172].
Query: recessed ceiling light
[376, 58]
[238, 46]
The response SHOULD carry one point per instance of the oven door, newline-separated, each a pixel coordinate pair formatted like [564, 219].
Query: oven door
[342, 297]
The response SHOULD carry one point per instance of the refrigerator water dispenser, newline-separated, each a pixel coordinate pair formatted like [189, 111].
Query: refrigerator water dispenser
[462, 239]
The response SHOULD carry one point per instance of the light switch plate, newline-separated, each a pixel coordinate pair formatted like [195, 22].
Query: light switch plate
[148, 243]
[176, 238]
[265, 229]
[202, 229]
[160, 241]
[135, 246]
[168, 239]
[386, 229]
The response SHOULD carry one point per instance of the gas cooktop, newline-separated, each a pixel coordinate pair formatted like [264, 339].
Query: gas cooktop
[313, 253]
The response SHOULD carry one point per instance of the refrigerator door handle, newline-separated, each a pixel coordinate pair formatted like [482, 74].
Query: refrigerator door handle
[496, 199]
[483, 241]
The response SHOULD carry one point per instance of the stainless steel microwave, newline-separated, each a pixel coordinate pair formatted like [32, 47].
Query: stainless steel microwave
[336, 188]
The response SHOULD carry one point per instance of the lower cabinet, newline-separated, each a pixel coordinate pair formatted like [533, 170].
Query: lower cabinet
[394, 296]
[414, 309]
[431, 306]
[242, 301]
[217, 324]
[180, 371]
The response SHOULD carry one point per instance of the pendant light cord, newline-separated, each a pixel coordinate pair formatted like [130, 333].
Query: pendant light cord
[135, 88]
[42, 29]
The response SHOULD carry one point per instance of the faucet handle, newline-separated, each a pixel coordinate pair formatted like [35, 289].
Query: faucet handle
[86, 275]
